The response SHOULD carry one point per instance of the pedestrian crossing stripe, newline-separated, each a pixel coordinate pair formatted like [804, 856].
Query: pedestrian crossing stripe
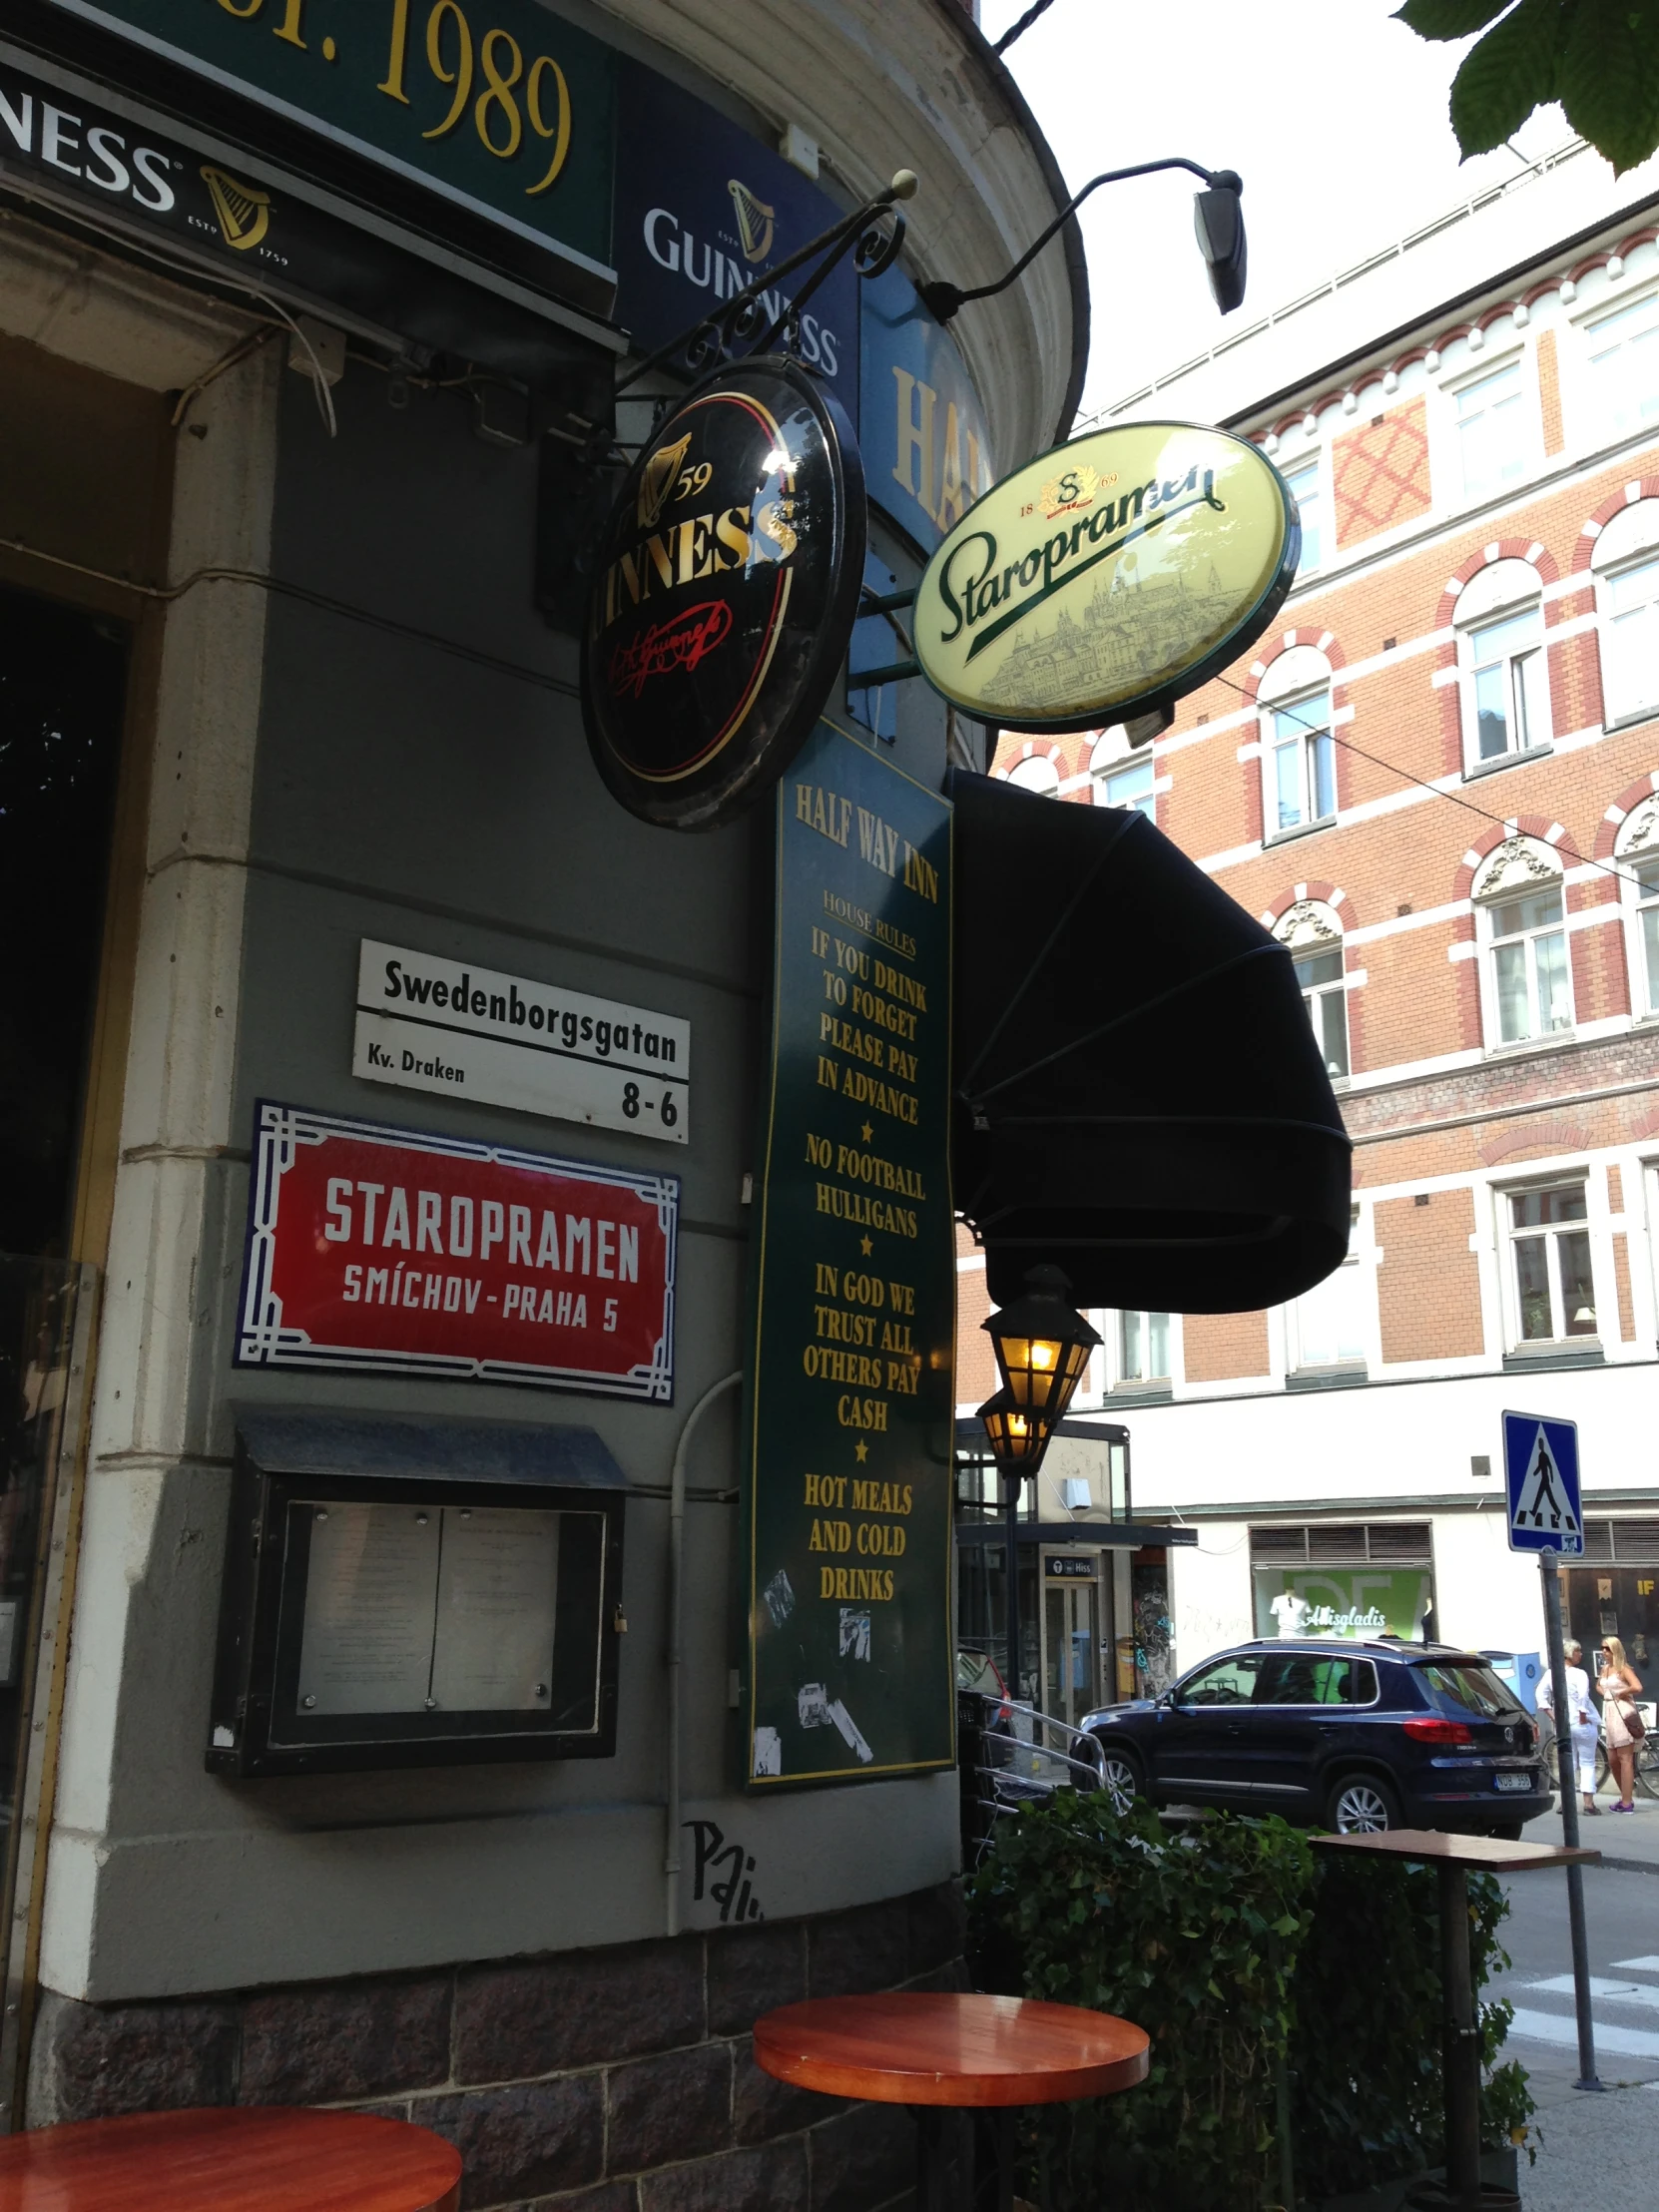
[1543, 1501]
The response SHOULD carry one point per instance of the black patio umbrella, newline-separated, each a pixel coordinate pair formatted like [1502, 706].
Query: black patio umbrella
[1139, 1096]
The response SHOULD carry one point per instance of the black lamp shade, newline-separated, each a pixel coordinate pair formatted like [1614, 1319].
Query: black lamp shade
[1042, 1347]
[1218, 219]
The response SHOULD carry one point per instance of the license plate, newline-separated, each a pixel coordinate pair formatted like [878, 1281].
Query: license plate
[1514, 1782]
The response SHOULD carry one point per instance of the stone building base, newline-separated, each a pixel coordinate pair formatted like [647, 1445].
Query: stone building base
[613, 2080]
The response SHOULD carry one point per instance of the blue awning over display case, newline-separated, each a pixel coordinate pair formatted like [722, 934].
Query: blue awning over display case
[1139, 1098]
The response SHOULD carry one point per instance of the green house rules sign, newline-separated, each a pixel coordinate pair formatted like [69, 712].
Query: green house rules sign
[497, 106]
[851, 1393]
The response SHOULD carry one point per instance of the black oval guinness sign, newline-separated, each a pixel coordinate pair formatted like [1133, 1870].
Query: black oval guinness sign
[726, 588]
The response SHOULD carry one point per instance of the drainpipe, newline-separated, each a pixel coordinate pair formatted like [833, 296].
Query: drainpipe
[676, 1583]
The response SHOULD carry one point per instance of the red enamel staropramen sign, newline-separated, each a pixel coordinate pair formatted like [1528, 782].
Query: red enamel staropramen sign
[387, 1251]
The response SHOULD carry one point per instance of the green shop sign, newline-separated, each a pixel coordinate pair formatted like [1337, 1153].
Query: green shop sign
[500, 107]
[852, 1394]
[1343, 1601]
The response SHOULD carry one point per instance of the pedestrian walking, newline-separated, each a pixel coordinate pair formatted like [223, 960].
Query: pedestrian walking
[1581, 1720]
[1620, 1685]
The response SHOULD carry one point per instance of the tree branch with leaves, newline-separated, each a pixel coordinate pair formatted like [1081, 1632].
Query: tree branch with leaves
[1598, 58]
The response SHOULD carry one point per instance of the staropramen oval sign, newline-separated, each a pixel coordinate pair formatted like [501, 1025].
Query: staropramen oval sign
[1107, 578]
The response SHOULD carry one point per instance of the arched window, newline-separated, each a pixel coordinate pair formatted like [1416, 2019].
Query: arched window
[1637, 854]
[1315, 938]
[1519, 896]
[1123, 772]
[1037, 772]
[1626, 564]
[1501, 625]
[1299, 759]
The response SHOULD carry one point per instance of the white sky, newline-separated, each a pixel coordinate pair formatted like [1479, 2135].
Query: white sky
[1334, 114]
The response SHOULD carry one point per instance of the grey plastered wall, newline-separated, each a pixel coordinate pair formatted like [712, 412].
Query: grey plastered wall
[434, 789]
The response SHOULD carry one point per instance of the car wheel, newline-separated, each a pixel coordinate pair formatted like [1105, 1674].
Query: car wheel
[1360, 1804]
[1120, 1778]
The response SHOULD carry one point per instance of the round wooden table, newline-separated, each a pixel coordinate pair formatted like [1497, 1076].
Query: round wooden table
[255, 2159]
[934, 2048]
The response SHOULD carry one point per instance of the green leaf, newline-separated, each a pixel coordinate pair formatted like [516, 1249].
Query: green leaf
[1448, 19]
[1505, 75]
[1609, 78]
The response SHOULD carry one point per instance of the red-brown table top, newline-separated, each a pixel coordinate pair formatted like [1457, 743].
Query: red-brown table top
[255, 2159]
[943, 2047]
[1487, 1854]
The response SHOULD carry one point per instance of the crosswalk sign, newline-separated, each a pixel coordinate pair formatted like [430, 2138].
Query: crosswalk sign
[1541, 1467]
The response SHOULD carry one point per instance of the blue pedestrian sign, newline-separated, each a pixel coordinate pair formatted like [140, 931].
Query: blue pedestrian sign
[1541, 1467]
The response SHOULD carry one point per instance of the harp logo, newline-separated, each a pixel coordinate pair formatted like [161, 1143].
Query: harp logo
[244, 211]
[755, 221]
[657, 480]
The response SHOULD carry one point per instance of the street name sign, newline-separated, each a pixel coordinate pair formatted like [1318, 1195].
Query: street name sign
[1540, 1468]
[377, 1251]
[431, 1024]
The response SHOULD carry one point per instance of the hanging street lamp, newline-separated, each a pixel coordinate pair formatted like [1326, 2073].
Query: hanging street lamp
[1042, 1347]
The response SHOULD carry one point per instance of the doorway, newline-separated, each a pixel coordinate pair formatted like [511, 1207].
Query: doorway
[63, 685]
[1071, 1637]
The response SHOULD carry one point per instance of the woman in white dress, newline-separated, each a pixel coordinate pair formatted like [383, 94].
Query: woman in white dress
[1581, 1719]
[1620, 1686]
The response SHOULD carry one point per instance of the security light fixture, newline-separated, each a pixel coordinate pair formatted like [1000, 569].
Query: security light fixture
[1218, 219]
[1042, 1346]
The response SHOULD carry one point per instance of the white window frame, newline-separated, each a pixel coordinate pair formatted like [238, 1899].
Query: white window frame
[1525, 869]
[1143, 802]
[1306, 930]
[1297, 466]
[1628, 542]
[1503, 592]
[1509, 1236]
[1531, 440]
[1637, 849]
[1318, 731]
[1593, 420]
[1036, 761]
[1352, 1285]
[1116, 1381]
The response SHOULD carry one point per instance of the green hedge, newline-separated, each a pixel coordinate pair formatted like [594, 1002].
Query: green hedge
[1258, 1967]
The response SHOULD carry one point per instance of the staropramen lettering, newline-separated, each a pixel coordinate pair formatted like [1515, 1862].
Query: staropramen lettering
[1107, 578]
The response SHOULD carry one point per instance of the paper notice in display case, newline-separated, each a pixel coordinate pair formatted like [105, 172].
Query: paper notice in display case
[496, 1610]
[369, 1597]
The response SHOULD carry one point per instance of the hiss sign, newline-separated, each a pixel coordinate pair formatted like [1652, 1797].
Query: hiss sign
[389, 1252]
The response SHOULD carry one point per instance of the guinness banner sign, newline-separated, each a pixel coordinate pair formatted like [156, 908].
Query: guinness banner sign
[726, 585]
[1108, 578]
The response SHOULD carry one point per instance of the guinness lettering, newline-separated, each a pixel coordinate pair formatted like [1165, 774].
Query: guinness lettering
[1108, 578]
[724, 595]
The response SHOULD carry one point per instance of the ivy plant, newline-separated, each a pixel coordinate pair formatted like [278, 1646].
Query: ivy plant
[1269, 1977]
[1193, 1936]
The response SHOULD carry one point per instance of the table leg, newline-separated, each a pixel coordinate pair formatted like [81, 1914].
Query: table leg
[1461, 2048]
[1007, 2124]
[930, 2177]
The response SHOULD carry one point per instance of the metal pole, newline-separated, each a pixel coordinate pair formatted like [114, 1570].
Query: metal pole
[1461, 2048]
[1015, 1484]
[1567, 1774]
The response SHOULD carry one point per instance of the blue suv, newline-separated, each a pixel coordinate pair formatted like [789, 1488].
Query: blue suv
[1334, 1734]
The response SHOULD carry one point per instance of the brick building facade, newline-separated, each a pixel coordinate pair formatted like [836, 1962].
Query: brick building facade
[1436, 780]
